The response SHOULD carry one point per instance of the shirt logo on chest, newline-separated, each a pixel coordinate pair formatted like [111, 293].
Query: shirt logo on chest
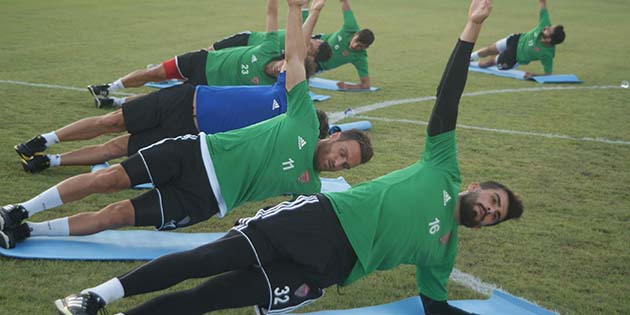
[301, 142]
[304, 178]
[345, 53]
[255, 80]
[446, 196]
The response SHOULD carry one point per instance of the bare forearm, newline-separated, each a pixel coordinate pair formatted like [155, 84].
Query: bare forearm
[294, 45]
[345, 5]
[309, 25]
[272, 15]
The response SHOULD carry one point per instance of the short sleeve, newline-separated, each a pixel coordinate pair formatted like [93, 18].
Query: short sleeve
[441, 150]
[547, 64]
[431, 281]
[361, 64]
[349, 22]
[299, 102]
[543, 18]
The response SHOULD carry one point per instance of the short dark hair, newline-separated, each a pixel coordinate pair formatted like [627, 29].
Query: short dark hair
[366, 36]
[515, 205]
[558, 35]
[323, 123]
[364, 142]
[310, 66]
[324, 52]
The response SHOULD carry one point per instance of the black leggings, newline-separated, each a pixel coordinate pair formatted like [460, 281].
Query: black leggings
[231, 258]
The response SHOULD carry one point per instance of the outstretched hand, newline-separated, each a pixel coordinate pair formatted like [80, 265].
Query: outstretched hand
[298, 3]
[317, 5]
[479, 10]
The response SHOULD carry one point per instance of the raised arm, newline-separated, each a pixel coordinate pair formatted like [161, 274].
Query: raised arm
[295, 50]
[309, 24]
[345, 5]
[272, 15]
[542, 4]
[444, 115]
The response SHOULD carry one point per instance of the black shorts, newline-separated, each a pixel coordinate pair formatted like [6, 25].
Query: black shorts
[236, 40]
[166, 113]
[305, 231]
[507, 59]
[182, 195]
[192, 66]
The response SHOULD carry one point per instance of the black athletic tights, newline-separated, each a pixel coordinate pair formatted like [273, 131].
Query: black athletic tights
[231, 258]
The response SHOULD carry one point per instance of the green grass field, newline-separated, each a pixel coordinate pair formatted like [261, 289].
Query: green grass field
[570, 251]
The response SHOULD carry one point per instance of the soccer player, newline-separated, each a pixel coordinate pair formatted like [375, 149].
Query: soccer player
[166, 113]
[523, 48]
[251, 65]
[316, 48]
[285, 255]
[197, 177]
[349, 45]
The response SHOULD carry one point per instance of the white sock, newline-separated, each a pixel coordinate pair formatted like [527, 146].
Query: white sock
[46, 200]
[56, 227]
[119, 101]
[51, 138]
[55, 159]
[474, 56]
[110, 291]
[116, 85]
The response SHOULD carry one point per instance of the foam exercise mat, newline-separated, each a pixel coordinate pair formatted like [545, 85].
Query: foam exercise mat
[520, 75]
[500, 303]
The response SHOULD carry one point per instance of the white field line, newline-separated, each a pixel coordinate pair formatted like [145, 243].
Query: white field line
[53, 86]
[505, 131]
[336, 116]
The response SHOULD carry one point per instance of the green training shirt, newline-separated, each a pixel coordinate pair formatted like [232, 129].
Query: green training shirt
[407, 217]
[340, 44]
[257, 38]
[269, 158]
[243, 65]
[530, 47]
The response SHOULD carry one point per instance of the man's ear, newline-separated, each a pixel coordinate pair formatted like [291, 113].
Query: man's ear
[474, 186]
[335, 135]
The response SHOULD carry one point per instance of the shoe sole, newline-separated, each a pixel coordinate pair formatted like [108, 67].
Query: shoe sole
[62, 308]
[23, 152]
[6, 241]
[97, 102]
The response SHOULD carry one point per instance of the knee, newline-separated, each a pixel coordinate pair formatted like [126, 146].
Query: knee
[111, 179]
[112, 121]
[117, 215]
[114, 149]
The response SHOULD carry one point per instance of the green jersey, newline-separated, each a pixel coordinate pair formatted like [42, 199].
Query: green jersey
[257, 38]
[243, 65]
[530, 47]
[407, 217]
[340, 44]
[266, 159]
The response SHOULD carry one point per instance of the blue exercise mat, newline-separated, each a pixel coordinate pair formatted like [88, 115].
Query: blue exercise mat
[500, 303]
[360, 125]
[326, 84]
[318, 97]
[328, 184]
[520, 75]
[109, 245]
[165, 84]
